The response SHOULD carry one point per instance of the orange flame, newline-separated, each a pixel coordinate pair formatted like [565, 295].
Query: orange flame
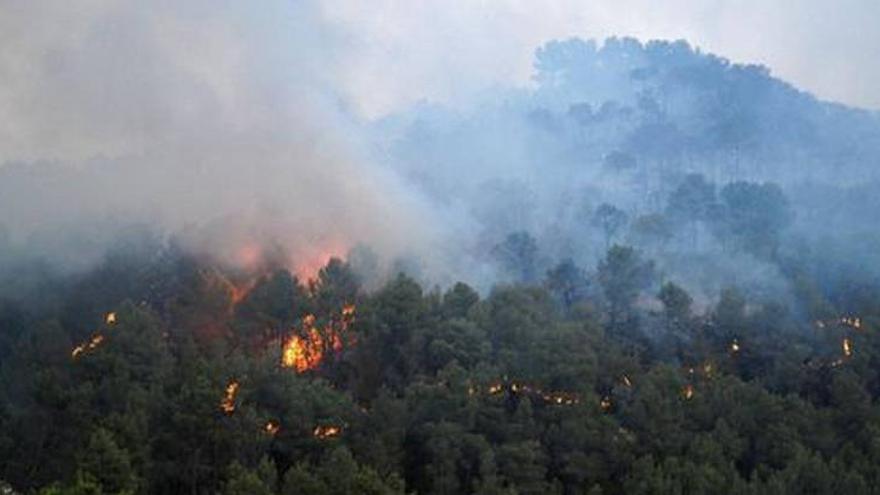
[687, 392]
[91, 345]
[323, 432]
[271, 427]
[304, 350]
[227, 404]
[239, 292]
[95, 340]
[847, 347]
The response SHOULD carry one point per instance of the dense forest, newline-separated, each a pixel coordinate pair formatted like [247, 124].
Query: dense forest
[161, 372]
[653, 272]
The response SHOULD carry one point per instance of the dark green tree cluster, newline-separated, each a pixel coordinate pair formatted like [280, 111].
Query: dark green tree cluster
[586, 381]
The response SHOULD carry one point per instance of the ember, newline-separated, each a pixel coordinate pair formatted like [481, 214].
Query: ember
[271, 427]
[687, 392]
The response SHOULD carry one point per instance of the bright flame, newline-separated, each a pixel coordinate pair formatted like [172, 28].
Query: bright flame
[227, 404]
[110, 319]
[322, 432]
[847, 347]
[687, 391]
[558, 397]
[852, 321]
[91, 345]
[304, 349]
[271, 427]
[734, 346]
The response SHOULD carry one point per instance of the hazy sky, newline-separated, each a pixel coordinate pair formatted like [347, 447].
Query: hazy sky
[209, 110]
[110, 77]
[401, 51]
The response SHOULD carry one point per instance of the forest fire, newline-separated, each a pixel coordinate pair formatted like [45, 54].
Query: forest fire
[95, 340]
[271, 427]
[847, 347]
[687, 392]
[92, 344]
[555, 397]
[227, 404]
[239, 292]
[734, 346]
[852, 321]
[306, 347]
[324, 432]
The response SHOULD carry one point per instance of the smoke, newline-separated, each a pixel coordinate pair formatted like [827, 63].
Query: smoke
[215, 121]
[446, 50]
[427, 134]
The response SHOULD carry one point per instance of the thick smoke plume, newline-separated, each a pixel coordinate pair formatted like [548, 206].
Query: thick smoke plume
[210, 122]
[233, 131]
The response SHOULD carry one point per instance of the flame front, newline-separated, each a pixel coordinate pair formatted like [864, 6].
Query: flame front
[847, 347]
[323, 432]
[227, 404]
[96, 339]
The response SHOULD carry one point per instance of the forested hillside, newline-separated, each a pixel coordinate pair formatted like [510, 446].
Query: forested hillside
[166, 374]
[652, 271]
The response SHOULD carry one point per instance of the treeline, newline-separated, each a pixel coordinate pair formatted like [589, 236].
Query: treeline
[161, 373]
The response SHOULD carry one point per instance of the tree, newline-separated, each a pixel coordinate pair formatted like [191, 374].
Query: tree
[242, 481]
[691, 202]
[610, 220]
[753, 217]
[676, 303]
[568, 282]
[653, 230]
[518, 256]
[622, 275]
[336, 285]
[459, 300]
[107, 464]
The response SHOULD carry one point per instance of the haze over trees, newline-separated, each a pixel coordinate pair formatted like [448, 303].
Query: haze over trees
[653, 272]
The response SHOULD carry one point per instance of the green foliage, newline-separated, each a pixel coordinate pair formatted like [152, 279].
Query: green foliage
[753, 216]
[517, 256]
[445, 392]
[622, 275]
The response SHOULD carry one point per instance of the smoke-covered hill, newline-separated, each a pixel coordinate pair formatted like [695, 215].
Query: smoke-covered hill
[627, 124]
[651, 271]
